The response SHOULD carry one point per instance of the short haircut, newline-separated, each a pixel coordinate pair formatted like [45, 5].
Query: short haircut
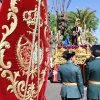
[68, 54]
[96, 53]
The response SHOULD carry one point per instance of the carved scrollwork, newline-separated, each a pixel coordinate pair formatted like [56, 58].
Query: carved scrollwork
[57, 58]
[81, 55]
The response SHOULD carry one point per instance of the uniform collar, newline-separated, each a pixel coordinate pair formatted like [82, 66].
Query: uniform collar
[97, 57]
[69, 61]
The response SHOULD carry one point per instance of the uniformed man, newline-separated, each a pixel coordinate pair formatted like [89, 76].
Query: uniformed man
[91, 58]
[71, 78]
[93, 75]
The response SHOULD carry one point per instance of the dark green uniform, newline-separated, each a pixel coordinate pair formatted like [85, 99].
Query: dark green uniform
[69, 72]
[93, 74]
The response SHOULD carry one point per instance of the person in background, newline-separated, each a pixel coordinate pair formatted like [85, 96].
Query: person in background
[77, 33]
[93, 75]
[91, 58]
[67, 40]
[70, 76]
[88, 41]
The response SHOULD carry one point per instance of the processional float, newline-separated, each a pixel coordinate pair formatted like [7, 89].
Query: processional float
[24, 49]
[82, 52]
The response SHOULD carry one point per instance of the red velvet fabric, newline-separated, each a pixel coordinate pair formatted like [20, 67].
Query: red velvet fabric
[8, 80]
[55, 73]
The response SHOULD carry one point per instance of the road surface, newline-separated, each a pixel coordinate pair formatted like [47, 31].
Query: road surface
[53, 91]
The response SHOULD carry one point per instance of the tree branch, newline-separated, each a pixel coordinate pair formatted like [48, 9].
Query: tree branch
[68, 5]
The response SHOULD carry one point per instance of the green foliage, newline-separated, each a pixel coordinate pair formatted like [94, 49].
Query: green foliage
[93, 23]
[86, 15]
[53, 22]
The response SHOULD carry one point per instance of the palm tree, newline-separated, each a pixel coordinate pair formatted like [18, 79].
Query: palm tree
[85, 16]
[61, 7]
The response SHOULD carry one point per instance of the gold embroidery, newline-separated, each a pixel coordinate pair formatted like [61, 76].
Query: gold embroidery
[42, 3]
[46, 29]
[4, 45]
[18, 87]
[30, 17]
[23, 52]
[34, 69]
[14, 82]
[13, 7]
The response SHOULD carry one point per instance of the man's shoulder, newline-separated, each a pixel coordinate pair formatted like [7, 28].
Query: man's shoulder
[75, 66]
[62, 65]
[89, 60]
[93, 61]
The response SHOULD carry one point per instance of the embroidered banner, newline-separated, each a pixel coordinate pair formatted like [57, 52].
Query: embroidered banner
[24, 49]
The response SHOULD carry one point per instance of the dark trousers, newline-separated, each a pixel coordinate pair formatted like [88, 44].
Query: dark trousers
[63, 98]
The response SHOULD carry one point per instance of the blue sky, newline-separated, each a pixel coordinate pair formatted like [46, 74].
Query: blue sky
[93, 4]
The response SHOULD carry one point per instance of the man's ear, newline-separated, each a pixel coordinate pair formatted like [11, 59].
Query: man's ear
[71, 58]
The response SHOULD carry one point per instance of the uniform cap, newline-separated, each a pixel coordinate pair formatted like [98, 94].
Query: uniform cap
[95, 47]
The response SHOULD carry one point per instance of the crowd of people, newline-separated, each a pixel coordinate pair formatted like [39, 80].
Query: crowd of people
[71, 77]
